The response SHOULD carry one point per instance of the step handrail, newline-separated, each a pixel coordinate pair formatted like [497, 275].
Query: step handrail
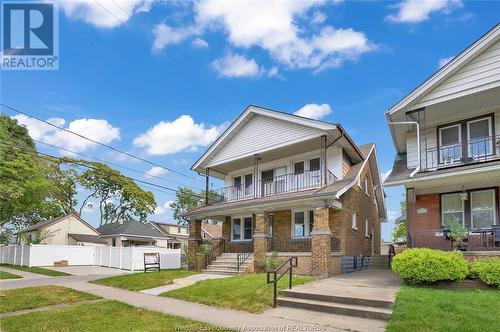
[392, 253]
[291, 262]
[241, 258]
[216, 250]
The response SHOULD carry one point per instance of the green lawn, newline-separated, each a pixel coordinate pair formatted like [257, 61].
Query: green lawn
[33, 297]
[101, 316]
[7, 275]
[247, 292]
[141, 280]
[39, 270]
[424, 309]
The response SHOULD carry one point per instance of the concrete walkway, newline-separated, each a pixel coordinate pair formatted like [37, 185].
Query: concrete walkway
[25, 275]
[182, 282]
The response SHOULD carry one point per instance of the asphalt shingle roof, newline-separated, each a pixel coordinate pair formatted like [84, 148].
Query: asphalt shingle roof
[88, 238]
[132, 227]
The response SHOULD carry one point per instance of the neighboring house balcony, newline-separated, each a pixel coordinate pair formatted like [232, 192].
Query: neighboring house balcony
[459, 153]
[273, 185]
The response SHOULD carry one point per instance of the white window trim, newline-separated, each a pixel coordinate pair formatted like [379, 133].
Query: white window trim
[367, 234]
[490, 132]
[354, 221]
[242, 230]
[307, 223]
[442, 212]
[459, 126]
[494, 206]
[367, 191]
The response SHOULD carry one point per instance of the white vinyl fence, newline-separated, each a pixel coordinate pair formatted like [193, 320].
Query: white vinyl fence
[128, 258]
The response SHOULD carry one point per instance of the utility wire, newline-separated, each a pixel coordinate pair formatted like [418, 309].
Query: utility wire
[99, 143]
[51, 157]
[114, 164]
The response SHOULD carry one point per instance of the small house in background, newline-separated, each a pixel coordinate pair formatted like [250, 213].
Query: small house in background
[211, 231]
[176, 233]
[132, 233]
[66, 230]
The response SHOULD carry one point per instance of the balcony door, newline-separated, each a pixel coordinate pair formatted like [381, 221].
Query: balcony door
[267, 182]
[280, 180]
[450, 144]
[248, 185]
[479, 138]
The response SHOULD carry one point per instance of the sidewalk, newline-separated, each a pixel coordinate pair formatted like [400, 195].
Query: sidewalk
[182, 282]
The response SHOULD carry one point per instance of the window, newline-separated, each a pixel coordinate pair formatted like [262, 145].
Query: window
[299, 224]
[479, 134]
[236, 229]
[248, 180]
[482, 205]
[179, 230]
[311, 221]
[299, 167]
[237, 182]
[354, 222]
[367, 234]
[366, 186]
[450, 139]
[314, 164]
[113, 242]
[242, 228]
[271, 216]
[452, 209]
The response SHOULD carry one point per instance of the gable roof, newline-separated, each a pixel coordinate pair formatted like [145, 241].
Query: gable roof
[46, 223]
[316, 128]
[131, 227]
[88, 238]
[445, 72]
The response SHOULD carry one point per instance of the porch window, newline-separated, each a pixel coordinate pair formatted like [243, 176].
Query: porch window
[242, 228]
[298, 167]
[311, 221]
[299, 224]
[237, 182]
[452, 209]
[479, 134]
[314, 164]
[483, 213]
[450, 139]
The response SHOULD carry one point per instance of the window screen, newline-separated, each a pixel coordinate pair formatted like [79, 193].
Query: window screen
[482, 208]
[452, 209]
[450, 135]
[237, 229]
[247, 228]
[299, 224]
[479, 129]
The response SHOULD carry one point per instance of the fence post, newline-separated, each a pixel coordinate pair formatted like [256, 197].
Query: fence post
[22, 255]
[121, 251]
[15, 255]
[109, 265]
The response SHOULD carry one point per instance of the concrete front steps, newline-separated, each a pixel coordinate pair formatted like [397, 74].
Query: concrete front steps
[379, 262]
[334, 304]
[227, 263]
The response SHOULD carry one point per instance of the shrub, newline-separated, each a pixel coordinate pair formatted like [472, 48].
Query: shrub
[488, 270]
[271, 263]
[423, 265]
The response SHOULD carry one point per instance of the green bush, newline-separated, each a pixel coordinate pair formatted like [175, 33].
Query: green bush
[488, 270]
[421, 265]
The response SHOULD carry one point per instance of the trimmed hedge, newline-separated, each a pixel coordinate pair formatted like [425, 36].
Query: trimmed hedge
[422, 265]
[488, 270]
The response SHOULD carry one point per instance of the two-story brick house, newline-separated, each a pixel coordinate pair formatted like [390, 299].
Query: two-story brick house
[292, 185]
[447, 136]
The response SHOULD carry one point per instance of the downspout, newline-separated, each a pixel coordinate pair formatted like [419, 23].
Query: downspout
[416, 170]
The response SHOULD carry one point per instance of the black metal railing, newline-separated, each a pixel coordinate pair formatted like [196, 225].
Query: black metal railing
[272, 186]
[335, 244]
[289, 244]
[472, 151]
[290, 263]
[216, 250]
[392, 253]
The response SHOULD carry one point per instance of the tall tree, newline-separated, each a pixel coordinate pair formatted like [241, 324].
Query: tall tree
[186, 199]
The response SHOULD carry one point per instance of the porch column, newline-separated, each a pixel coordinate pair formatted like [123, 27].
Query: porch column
[321, 245]
[193, 242]
[260, 238]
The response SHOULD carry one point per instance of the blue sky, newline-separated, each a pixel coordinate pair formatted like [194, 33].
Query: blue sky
[162, 79]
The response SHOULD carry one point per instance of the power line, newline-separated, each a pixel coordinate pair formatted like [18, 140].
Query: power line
[51, 157]
[110, 13]
[99, 143]
[114, 164]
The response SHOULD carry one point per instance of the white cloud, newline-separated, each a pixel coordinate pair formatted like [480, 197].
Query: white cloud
[415, 11]
[166, 35]
[182, 134]
[314, 111]
[274, 27]
[104, 13]
[163, 208]
[444, 61]
[272, 72]
[318, 17]
[155, 171]
[236, 66]
[96, 129]
[199, 43]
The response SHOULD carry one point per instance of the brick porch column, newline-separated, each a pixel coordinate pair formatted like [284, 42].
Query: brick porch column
[260, 238]
[193, 242]
[321, 245]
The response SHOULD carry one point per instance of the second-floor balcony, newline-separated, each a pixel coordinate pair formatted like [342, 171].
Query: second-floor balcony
[462, 153]
[292, 182]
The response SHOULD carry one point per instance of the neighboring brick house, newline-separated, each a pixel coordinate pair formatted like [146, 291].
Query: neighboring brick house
[447, 136]
[292, 185]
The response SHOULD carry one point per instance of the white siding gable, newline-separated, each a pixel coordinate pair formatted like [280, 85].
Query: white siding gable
[262, 133]
[334, 161]
[482, 73]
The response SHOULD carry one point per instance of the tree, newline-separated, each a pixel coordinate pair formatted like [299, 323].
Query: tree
[119, 196]
[186, 199]
[26, 189]
[399, 234]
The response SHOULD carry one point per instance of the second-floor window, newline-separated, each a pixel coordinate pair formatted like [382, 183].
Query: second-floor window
[450, 139]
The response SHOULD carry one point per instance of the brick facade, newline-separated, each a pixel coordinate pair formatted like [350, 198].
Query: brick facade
[424, 225]
[193, 241]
